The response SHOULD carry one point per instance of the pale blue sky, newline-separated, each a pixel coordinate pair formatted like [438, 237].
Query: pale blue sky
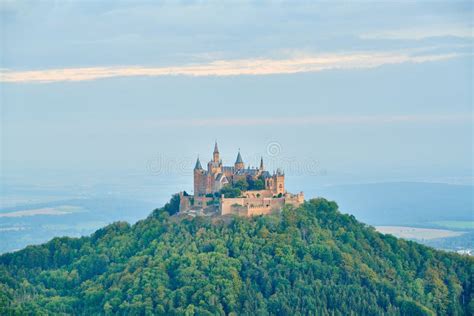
[367, 90]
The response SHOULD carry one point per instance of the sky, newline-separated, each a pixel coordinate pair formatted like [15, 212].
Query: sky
[354, 91]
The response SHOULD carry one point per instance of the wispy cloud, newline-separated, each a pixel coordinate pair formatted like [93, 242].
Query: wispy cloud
[257, 66]
[421, 33]
[309, 120]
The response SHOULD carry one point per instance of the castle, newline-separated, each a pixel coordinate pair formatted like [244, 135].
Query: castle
[259, 191]
[217, 176]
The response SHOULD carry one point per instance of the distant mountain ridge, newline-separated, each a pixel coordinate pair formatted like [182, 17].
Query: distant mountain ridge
[403, 203]
[309, 260]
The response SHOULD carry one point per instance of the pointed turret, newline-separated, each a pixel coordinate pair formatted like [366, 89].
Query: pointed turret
[239, 163]
[261, 163]
[239, 158]
[198, 164]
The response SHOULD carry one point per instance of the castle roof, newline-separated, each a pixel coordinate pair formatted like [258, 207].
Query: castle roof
[279, 172]
[248, 171]
[221, 178]
[229, 169]
[239, 158]
[216, 150]
[266, 174]
[198, 164]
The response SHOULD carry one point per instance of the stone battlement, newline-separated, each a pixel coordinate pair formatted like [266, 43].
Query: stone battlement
[258, 205]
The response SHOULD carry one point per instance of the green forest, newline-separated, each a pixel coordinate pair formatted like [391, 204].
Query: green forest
[310, 260]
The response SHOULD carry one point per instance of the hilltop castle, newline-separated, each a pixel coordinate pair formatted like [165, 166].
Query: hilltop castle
[259, 191]
[217, 176]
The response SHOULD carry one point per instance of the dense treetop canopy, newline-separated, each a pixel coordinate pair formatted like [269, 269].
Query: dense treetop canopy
[309, 260]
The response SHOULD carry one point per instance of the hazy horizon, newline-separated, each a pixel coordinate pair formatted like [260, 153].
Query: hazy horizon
[353, 89]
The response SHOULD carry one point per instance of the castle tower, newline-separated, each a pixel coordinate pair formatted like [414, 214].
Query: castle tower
[279, 182]
[215, 154]
[261, 164]
[239, 163]
[198, 164]
[215, 165]
[198, 178]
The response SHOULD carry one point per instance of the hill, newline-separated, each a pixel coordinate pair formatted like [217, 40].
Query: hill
[310, 260]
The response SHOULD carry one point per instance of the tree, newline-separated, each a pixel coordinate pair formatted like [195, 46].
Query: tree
[256, 184]
[230, 192]
[172, 207]
[241, 184]
[310, 260]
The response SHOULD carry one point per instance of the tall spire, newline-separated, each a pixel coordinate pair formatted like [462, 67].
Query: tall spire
[198, 164]
[261, 163]
[239, 163]
[215, 154]
[239, 158]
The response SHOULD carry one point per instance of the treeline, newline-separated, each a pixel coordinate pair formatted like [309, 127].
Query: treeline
[311, 260]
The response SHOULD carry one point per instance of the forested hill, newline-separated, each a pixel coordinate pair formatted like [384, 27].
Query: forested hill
[310, 260]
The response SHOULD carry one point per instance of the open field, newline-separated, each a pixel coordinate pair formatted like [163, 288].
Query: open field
[455, 224]
[418, 233]
[60, 210]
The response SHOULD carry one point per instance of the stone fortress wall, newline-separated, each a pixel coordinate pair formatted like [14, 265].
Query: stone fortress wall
[250, 206]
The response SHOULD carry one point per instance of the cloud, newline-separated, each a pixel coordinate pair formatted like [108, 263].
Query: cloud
[236, 67]
[310, 120]
[420, 33]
